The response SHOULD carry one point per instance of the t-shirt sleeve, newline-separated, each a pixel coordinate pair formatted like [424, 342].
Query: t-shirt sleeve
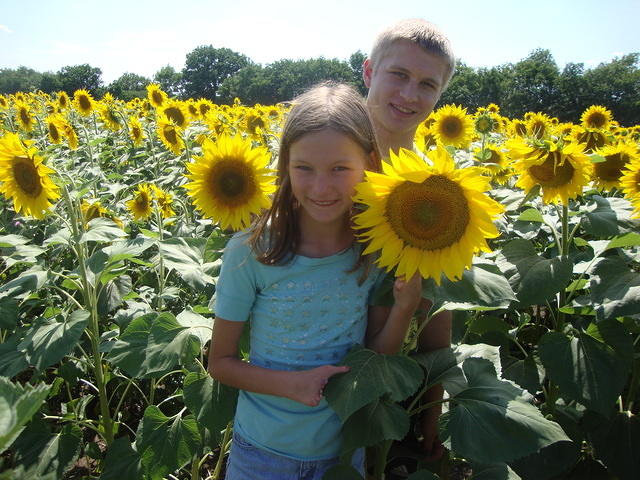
[236, 288]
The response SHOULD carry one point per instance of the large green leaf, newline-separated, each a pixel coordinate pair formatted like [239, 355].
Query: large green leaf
[127, 249]
[186, 256]
[495, 471]
[12, 360]
[525, 372]
[153, 344]
[9, 309]
[198, 325]
[102, 230]
[48, 340]
[166, 443]
[17, 405]
[122, 462]
[371, 375]
[532, 277]
[617, 443]
[483, 287]
[445, 365]
[548, 463]
[615, 289]
[112, 294]
[212, 403]
[26, 254]
[592, 367]
[61, 452]
[607, 217]
[24, 284]
[491, 421]
[377, 421]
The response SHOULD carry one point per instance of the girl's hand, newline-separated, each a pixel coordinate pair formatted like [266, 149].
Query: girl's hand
[307, 386]
[407, 294]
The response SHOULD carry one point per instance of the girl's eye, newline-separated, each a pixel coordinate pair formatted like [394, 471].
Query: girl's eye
[340, 169]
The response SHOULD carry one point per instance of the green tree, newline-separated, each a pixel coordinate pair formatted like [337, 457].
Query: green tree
[355, 62]
[572, 91]
[463, 88]
[129, 86]
[83, 76]
[169, 80]
[207, 67]
[251, 84]
[21, 79]
[50, 82]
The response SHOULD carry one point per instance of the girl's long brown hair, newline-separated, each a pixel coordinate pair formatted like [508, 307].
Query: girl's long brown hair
[275, 237]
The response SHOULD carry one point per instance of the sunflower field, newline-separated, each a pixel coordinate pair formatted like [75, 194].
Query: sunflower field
[113, 221]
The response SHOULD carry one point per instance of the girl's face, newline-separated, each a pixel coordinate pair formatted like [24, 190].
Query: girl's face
[324, 168]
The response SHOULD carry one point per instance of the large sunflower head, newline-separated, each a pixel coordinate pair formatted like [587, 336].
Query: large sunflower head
[607, 174]
[69, 133]
[176, 112]
[141, 206]
[492, 158]
[591, 139]
[538, 125]
[485, 123]
[452, 126]
[596, 116]
[24, 178]
[63, 100]
[136, 132]
[561, 170]
[170, 135]
[155, 95]
[110, 116]
[54, 128]
[164, 201]
[83, 102]
[630, 183]
[230, 182]
[426, 219]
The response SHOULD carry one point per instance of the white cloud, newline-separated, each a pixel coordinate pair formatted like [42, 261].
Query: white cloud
[5, 29]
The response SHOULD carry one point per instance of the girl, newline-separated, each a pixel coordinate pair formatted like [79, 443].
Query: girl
[300, 278]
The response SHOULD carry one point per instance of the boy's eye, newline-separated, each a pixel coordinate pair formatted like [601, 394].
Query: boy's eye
[400, 74]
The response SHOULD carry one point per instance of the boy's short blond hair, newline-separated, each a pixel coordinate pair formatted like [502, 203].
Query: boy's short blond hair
[421, 32]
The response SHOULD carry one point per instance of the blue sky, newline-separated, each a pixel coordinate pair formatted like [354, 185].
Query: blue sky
[141, 36]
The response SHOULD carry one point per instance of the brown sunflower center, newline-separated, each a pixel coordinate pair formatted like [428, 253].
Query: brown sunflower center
[430, 215]
[157, 97]
[26, 176]
[170, 134]
[25, 118]
[54, 133]
[611, 170]
[591, 139]
[451, 127]
[233, 182]
[84, 102]
[551, 173]
[176, 115]
[597, 120]
[136, 132]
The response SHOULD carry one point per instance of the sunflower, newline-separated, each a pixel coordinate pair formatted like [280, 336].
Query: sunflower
[452, 126]
[204, 106]
[630, 182]
[518, 128]
[109, 116]
[83, 101]
[70, 134]
[53, 128]
[4, 103]
[562, 170]
[25, 119]
[63, 100]
[24, 178]
[230, 181]
[192, 107]
[429, 219]
[485, 124]
[135, 131]
[176, 112]
[591, 139]
[493, 108]
[91, 210]
[538, 124]
[170, 136]
[492, 158]
[164, 201]
[424, 138]
[140, 205]
[607, 174]
[596, 117]
[155, 95]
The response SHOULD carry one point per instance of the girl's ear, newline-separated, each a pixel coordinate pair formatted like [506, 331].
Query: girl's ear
[367, 72]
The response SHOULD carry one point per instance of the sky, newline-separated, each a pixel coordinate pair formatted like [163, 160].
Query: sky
[142, 36]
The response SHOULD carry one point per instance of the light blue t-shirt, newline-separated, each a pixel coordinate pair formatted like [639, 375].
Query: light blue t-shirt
[306, 313]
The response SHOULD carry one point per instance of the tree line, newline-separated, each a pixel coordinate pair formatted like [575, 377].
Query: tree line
[535, 83]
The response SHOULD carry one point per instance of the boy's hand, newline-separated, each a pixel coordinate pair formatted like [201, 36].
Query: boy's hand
[307, 386]
[407, 294]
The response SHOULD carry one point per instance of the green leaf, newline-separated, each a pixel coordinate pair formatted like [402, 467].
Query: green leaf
[525, 373]
[371, 375]
[8, 241]
[532, 277]
[122, 462]
[113, 293]
[483, 287]
[61, 452]
[491, 422]
[130, 350]
[377, 421]
[550, 462]
[166, 443]
[615, 289]
[586, 368]
[341, 472]
[198, 325]
[102, 230]
[17, 405]
[24, 284]
[215, 245]
[622, 241]
[128, 249]
[9, 309]
[186, 257]
[617, 443]
[12, 360]
[531, 215]
[445, 365]
[48, 341]
[607, 217]
[212, 403]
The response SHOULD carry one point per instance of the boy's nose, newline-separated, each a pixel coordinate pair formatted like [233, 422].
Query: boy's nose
[409, 92]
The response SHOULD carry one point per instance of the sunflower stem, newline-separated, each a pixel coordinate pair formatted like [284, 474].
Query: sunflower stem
[564, 252]
[225, 440]
[161, 279]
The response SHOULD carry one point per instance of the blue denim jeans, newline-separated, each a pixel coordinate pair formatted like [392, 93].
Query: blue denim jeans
[248, 462]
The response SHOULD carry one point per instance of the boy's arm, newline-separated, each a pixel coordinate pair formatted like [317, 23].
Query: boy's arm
[225, 366]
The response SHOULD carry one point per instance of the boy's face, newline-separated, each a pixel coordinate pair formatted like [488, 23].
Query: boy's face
[403, 87]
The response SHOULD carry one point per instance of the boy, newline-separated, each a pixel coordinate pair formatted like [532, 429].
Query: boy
[410, 65]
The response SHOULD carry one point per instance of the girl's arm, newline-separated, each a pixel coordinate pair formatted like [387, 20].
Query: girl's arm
[387, 326]
[226, 367]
